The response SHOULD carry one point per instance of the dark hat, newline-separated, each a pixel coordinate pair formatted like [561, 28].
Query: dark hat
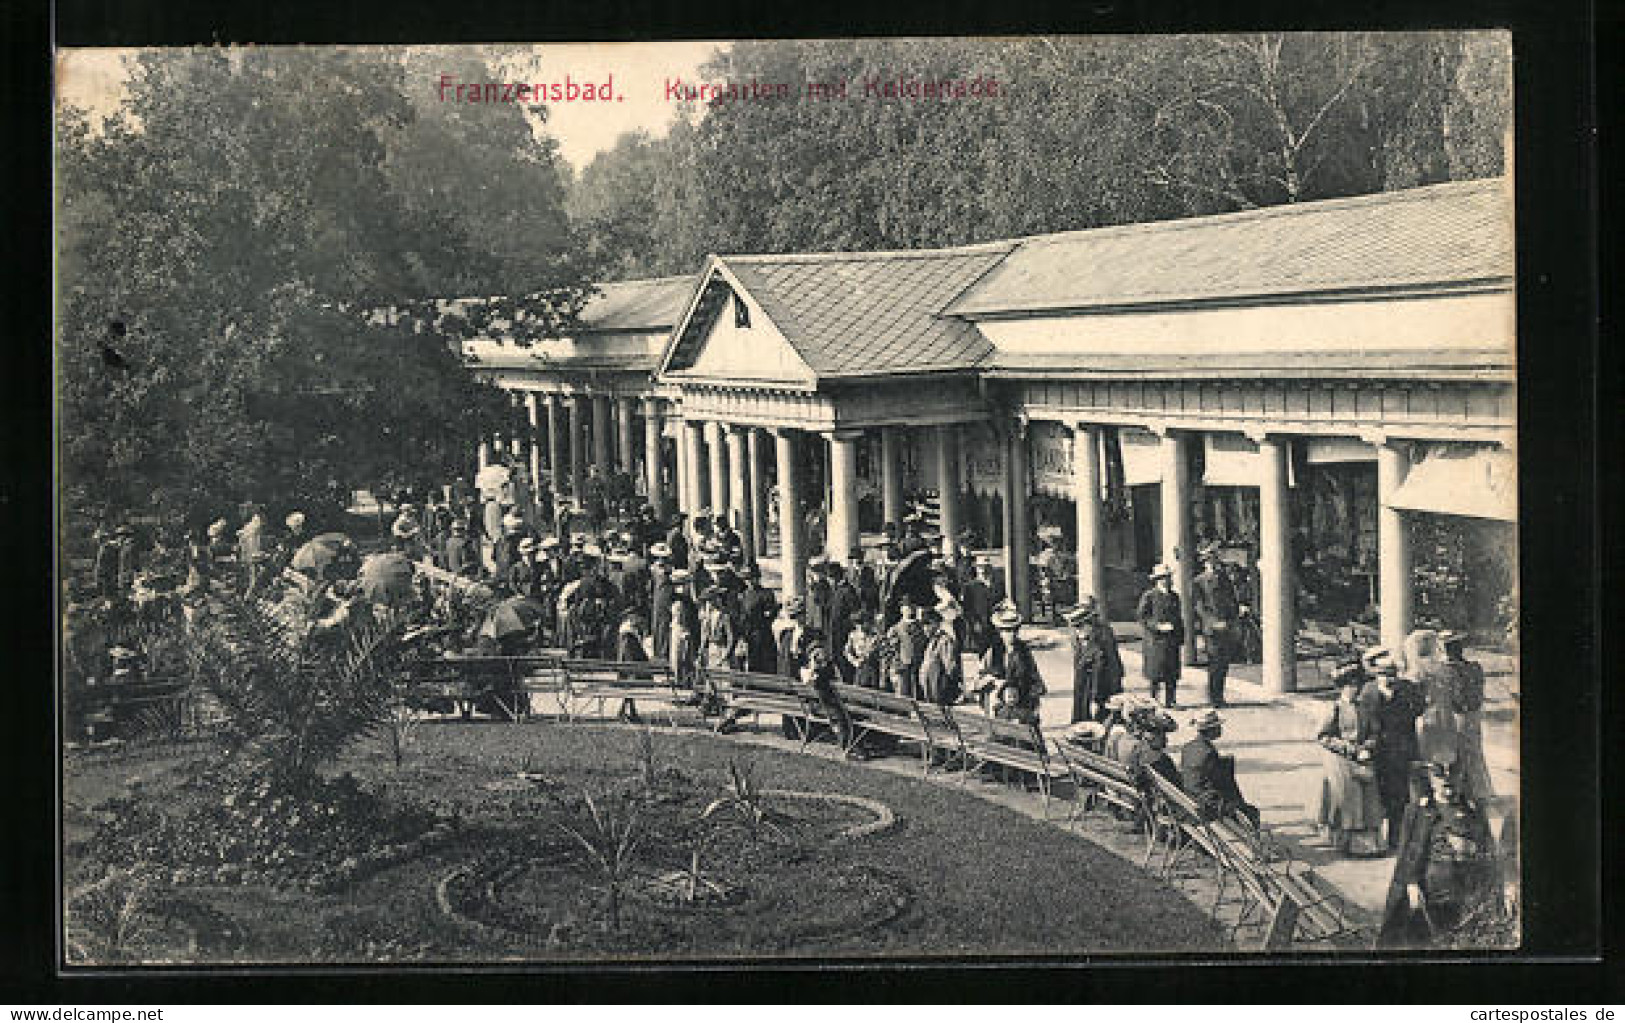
[1208, 550]
[751, 570]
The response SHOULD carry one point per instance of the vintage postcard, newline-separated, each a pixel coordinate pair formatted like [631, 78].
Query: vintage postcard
[927, 499]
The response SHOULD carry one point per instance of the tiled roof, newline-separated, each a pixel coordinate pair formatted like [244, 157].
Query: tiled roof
[1439, 234]
[654, 304]
[863, 313]
[1350, 364]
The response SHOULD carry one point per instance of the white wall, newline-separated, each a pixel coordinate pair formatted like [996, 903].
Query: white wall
[1422, 324]
[758, 352]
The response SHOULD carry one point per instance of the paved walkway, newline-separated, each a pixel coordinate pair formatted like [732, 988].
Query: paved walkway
[1273, 740]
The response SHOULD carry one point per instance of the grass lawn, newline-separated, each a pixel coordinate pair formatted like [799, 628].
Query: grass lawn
[952, 875]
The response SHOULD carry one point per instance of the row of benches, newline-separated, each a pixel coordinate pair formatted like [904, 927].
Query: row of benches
[1250, 871]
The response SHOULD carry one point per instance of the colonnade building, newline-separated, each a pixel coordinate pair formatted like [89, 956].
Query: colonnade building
[1311, 387]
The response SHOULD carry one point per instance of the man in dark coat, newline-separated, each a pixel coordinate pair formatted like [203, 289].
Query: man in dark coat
[1393, 705]
[977, 599]
[1097, 670]
[845, 607]
[1162, 624]
[661, 591]
[1218, 608]
[1210, 778]
[757, 609]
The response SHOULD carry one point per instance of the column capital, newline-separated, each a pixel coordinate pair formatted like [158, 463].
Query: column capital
[842, 435]
[651, 407]
[1257, 434]
[1160, 427]
[1376, 438]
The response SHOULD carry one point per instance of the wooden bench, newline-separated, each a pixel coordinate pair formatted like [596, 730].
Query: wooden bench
[507, 681]
[876, 710]
[1285, 902]
[1012, 744]
[590, 680]
[1100, 779]
[758, 693]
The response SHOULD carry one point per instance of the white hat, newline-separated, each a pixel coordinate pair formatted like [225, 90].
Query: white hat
[659, 550]
[549, 543]
[527, 544]
[295, 520]
[1161, 571]
[512, 522]
[217, 527]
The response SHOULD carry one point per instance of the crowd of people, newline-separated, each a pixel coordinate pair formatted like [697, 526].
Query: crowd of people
[1402, 749]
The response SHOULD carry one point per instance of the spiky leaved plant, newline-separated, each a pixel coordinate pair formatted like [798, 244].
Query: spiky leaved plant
[295, 688]
[610, 840]
[744, 798]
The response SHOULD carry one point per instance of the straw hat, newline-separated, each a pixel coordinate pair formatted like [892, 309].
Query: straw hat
[549, 543]
[1005, 616]
[527, 545]
[681, 575]
[1162, 571]
[295, 520]
[660, 549]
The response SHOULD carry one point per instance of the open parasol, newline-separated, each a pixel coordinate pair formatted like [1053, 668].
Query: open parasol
[328, 556]
[911, 577]
[387, 578]
[512, 617]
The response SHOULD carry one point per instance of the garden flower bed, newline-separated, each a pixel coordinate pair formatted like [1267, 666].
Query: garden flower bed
[550, 842]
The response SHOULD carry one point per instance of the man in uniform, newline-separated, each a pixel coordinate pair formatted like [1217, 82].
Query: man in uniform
[1218, 607]
[1162, 625]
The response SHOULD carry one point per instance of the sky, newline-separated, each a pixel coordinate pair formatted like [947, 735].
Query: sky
[94, 79]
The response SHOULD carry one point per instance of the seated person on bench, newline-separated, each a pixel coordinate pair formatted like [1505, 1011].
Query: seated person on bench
[1211, 778]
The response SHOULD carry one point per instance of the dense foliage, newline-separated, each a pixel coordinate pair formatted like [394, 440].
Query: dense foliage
[227, 242]
[1083, 132]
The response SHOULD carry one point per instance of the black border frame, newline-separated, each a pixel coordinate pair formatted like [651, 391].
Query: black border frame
[1565, 599]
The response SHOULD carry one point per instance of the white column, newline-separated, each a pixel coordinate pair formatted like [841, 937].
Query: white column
[758, 490]
[1393, 547]
[1176, 528]
[1017, 568]
[718, 455]
[534, 413]
[602, 444]
[578, 448]
[947, 454]
[558, 448]
[891, 474]
[792, 552]
[1278, 613]
[652, 427]
[1086, 496]
[841, 535]
[625, 460]
[694, 446]
[739, 493]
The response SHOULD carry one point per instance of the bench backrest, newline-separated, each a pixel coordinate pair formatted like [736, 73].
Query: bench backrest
[582, 669]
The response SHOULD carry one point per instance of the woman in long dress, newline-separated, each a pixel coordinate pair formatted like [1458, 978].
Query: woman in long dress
[1349, 811]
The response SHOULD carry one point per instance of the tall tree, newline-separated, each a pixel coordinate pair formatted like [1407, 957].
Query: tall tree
[229, 249]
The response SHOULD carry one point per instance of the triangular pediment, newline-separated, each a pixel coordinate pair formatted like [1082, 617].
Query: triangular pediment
[726, 335]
